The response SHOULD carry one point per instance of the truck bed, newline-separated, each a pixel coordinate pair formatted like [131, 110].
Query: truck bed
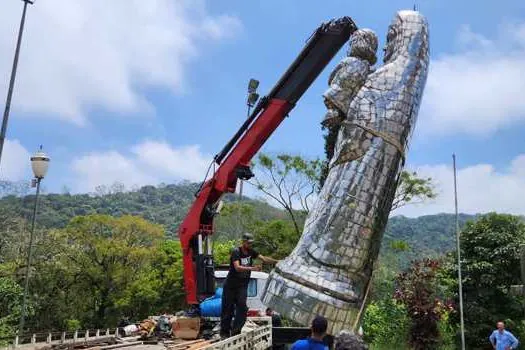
[258, 338]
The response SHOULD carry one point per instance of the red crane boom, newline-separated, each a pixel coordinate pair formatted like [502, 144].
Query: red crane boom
[234, 159]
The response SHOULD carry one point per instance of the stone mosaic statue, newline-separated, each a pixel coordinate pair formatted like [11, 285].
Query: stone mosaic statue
[329, 271]
[349, 76]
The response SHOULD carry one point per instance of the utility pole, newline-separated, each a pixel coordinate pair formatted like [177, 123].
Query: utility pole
[458, 248]
[13, 77]
[519, 289]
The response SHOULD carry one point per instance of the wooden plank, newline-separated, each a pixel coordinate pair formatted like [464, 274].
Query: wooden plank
[93, 348]
[184, 345]
[199, 345]
[122, 345]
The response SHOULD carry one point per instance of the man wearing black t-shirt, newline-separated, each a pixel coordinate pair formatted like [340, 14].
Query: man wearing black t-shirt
[235, 289]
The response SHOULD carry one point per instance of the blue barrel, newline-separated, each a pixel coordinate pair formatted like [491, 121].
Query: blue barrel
[211, 307]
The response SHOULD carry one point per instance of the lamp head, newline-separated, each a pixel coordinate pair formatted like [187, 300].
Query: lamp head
[252, 98]
[40, 164]
[253, 85]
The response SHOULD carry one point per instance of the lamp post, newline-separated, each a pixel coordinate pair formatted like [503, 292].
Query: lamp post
[253, 96]
[39, 164]
[13, 76]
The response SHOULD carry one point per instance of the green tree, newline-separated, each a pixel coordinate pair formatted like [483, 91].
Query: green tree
[169, 264]
[387, 267]
[222, 251]
[276, 238]
[112, 262]
[235, 219]
[12, 229]
[490, 265]
[290, 181]
[412, 189]
[11, 295]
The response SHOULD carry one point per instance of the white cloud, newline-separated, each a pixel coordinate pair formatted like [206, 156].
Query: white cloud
[82, 54]
[148, 163]
[15, 161]
[186, 163]
[481, 189]
[480, 89]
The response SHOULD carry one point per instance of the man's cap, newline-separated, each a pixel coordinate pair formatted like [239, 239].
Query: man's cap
[319, 324]
[248, 237]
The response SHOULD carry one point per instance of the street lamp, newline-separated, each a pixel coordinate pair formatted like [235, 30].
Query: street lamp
[252, 97]
[39, 164]
[13, 76]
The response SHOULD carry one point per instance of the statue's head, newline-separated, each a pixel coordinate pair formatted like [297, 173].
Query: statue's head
[407, 36]
[363, 45]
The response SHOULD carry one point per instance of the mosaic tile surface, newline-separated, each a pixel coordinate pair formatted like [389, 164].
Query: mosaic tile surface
[330, 268]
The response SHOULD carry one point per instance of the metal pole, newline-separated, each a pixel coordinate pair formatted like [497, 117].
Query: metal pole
[458, 248]
[522, 263]
[240, 185]
[29, 256]
[12, 80]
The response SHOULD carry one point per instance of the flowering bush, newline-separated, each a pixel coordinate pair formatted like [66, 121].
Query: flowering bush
[417, 290]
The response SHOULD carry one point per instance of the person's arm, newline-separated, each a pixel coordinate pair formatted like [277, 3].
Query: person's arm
[239, 268]
[492, 340]
[514, 342]
[267, 259]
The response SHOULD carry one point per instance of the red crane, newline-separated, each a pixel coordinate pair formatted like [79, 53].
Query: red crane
[234, 159]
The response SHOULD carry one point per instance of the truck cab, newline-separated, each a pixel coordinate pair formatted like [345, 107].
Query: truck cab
[255, 290]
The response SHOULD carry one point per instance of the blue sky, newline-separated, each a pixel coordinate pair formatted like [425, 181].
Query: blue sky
[146, 92]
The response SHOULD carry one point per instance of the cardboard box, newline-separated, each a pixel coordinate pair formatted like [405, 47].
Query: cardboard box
[187, 327]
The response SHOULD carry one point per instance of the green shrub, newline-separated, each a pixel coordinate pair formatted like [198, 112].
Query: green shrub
[73, 325]
[447, 331]
[386, 324]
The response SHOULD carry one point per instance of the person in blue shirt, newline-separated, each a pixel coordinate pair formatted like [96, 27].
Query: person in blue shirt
[315, 342]
[501, 339]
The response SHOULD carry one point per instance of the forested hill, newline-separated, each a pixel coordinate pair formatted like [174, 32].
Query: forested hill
[426, 235]
[163, 204]
[167, 205]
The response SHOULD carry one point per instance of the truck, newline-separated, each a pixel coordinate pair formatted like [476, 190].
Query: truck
[255, 289]
[232, 163]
